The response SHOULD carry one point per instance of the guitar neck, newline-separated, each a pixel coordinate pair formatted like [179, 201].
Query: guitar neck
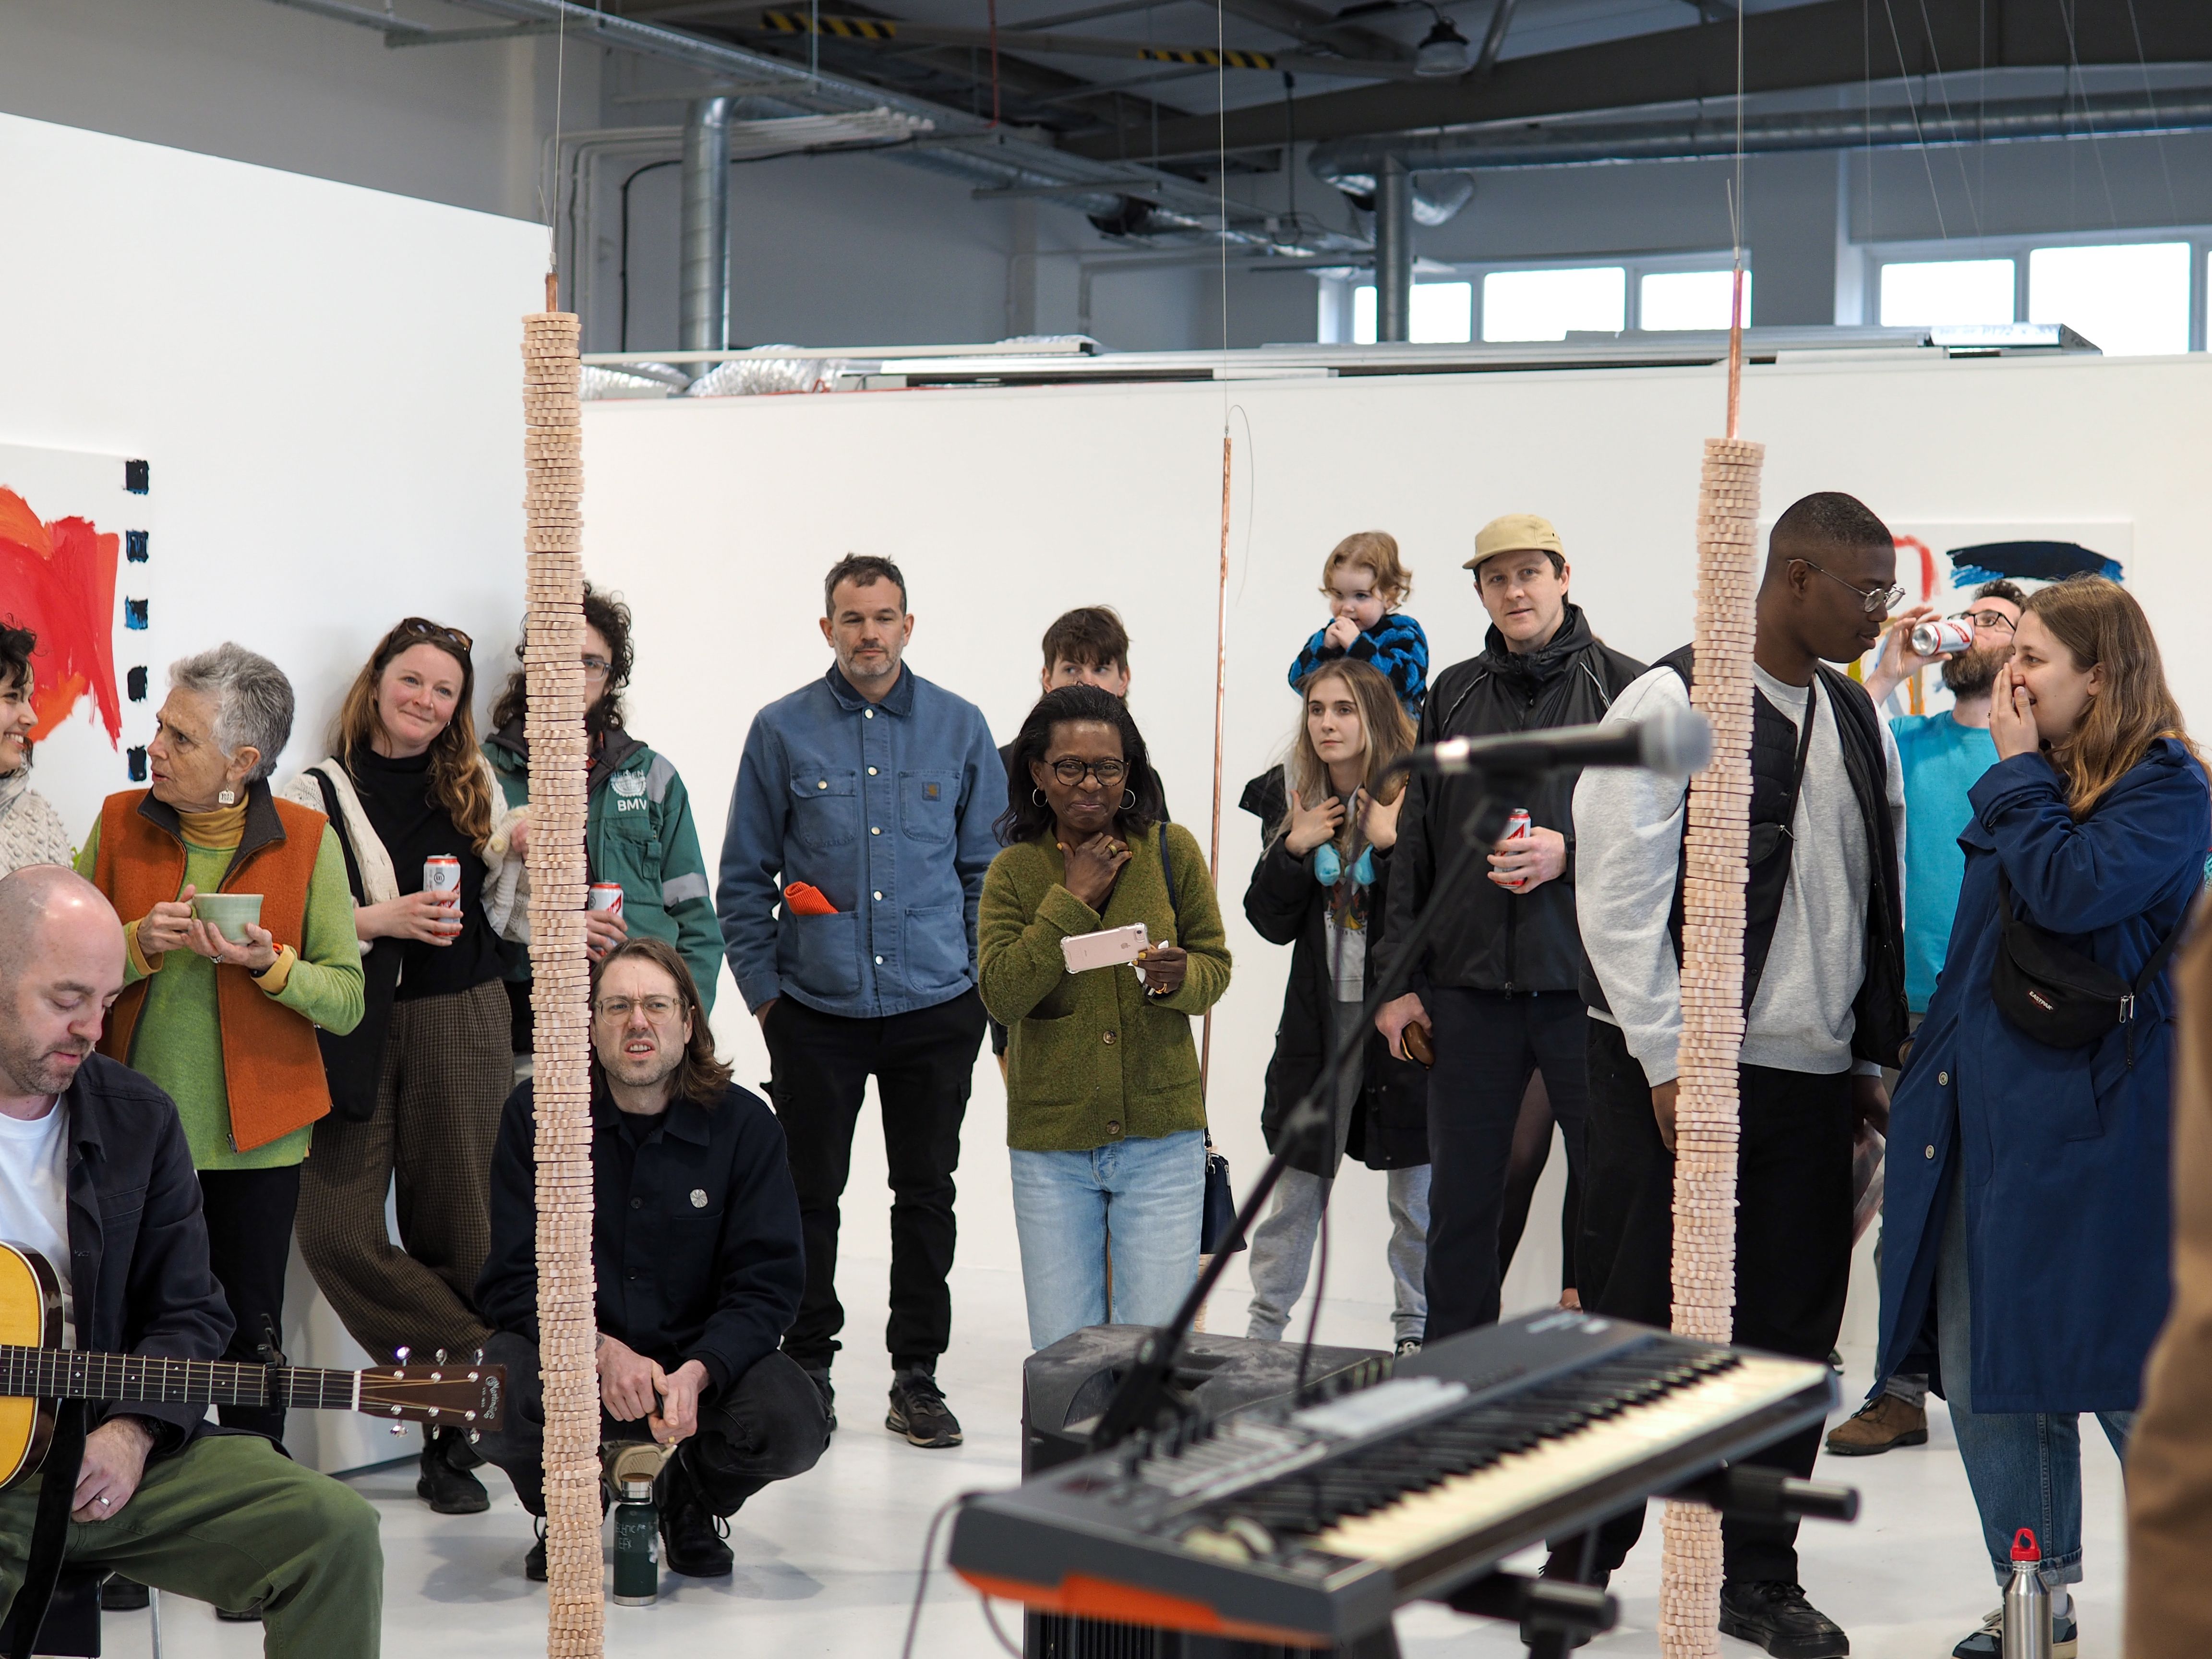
[68, 1374]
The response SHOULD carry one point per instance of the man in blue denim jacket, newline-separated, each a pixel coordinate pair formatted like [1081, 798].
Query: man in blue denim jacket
[872, 791]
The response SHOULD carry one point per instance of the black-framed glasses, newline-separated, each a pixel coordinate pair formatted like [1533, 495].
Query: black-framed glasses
[423, 628]
[1876, 601]
[1990, 619]
[1072, 771]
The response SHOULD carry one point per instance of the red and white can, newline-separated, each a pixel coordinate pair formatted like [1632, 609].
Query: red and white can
[1516, 828]
[441, 874]
[1946, 637]
[605, 895]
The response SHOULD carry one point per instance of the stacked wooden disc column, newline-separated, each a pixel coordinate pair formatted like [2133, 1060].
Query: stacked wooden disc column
[1715, 859]
[553, 649]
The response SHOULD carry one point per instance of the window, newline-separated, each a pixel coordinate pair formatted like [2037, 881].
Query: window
[1946, 291]
[1546, 305]
[1442, 313]
[2130, 299]
[1689, 299]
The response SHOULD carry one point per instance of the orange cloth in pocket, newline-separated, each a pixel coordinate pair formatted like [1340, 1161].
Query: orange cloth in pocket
[805, 900]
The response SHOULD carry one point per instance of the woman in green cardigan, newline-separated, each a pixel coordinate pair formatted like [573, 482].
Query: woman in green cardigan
[1104, 1114]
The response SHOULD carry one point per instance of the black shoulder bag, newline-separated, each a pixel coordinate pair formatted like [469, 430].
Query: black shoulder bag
[1217, 1228]
[2050, 991]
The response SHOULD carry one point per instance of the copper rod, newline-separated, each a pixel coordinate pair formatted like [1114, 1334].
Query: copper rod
[1735, 352]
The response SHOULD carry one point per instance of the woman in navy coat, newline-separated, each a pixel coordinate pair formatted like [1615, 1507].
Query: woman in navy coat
[2029, 1185]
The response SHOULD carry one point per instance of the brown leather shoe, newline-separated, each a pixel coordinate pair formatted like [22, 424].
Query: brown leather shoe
[1884, 1424]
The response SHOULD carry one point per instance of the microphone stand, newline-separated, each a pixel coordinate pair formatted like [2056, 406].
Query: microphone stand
[1146, 1397]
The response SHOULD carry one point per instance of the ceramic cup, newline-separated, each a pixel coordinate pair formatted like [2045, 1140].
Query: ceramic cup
[228, 913]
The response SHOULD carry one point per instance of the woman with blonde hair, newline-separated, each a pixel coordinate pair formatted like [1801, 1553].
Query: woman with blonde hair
[417, 1090]
[2029, 1178]
[1332, 818]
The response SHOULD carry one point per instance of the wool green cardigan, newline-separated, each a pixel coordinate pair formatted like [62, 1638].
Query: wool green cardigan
[1092, 1060]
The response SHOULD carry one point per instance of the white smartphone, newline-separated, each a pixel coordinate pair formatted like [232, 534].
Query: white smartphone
[1108, 948]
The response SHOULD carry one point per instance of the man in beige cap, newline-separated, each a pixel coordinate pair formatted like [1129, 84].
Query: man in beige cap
[1497, 985]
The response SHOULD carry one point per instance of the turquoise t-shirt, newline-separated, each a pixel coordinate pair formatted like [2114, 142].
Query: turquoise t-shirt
[1941, 761]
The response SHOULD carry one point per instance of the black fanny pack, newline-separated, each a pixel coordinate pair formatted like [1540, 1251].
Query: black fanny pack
[2053, 993]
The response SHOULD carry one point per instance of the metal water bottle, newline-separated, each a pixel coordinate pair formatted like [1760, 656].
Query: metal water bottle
[2026, 1602]
[637, 1548]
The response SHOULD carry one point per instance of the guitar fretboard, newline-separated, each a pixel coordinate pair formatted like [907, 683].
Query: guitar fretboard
[67, 1374]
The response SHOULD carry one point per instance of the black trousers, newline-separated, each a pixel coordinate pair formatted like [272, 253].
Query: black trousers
[769, 1424]
[1793, 1246]
[1487, 1043]
[249, 1226]
[924, 1064]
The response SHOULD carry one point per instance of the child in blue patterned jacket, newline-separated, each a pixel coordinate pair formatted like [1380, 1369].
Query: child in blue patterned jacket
[1364, 584]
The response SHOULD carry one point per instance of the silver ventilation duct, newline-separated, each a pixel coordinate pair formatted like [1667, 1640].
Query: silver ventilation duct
[1353, 164]
[702, 310]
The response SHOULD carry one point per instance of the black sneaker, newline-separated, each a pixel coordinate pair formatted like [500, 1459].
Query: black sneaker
[691, 1535]
[1988, 1642]
[533, 1565]
[446, 1484]
[1777, 1617]
[819, 1376]
[919, 1412]
[1408, 1347]
[121, 1594]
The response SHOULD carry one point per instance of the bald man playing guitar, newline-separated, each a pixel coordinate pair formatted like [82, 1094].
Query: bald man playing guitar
[96, 1183]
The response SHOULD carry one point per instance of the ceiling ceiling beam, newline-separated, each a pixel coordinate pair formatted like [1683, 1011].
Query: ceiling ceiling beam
[1814, 45]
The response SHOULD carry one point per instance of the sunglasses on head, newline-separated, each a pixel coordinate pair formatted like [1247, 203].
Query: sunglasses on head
[423, 628]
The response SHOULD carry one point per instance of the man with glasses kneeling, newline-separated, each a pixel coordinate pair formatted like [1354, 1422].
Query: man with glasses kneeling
[696, 1252]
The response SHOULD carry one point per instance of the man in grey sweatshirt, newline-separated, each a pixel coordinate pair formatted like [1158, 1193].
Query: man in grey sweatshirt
[1823, 974]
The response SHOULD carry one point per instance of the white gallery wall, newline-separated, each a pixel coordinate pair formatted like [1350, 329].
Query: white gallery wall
[325, 383]
[716, 520]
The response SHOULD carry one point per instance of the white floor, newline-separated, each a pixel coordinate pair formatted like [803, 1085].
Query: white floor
[826, 1563]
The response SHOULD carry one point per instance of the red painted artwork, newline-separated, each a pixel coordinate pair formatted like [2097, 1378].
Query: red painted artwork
[59, 580]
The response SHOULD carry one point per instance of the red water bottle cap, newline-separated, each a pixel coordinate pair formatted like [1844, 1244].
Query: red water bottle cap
[2023, 1545]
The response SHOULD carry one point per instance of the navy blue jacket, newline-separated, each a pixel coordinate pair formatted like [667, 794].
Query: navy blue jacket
[2065, 1151]
[886, 810]
[695, 1231]
[138, 1246]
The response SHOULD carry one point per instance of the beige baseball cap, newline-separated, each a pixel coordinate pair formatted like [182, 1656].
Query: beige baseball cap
[1516, 532]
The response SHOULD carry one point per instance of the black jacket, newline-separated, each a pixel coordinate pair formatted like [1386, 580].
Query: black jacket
[138, 1247]
[1493, 939]
[1287, 906]
[695, 1231]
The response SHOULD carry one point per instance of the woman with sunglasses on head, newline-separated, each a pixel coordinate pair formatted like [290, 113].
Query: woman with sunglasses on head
[639, 833]
[417, 1090]
[1104, 1114]
[2029, 1183]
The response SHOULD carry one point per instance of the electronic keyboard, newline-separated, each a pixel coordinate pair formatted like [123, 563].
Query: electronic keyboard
[1310, 1524]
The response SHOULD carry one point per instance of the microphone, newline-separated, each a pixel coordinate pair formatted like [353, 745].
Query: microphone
[1675, 742]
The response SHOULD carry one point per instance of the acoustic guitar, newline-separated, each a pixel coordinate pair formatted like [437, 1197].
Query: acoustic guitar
[37, 1373]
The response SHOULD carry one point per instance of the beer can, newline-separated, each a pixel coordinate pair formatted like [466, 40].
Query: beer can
[605, 895]
[1945, 638]
[1516, 828]
[441, 874]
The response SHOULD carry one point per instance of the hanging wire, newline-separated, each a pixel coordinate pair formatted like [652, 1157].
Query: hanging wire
[1919, 137]
[2142, 63]
[1942, 91]
[551, 210]
[2067, 15]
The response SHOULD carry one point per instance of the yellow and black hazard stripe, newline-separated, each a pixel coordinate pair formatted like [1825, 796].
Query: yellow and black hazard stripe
[1206, 55]
[848, 29]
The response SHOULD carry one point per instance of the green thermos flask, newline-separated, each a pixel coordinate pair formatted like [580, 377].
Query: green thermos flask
[637, 1546]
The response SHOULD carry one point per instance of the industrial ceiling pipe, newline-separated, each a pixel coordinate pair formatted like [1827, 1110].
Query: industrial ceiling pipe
[1355, 165]
[702, 308]
[1394, 251]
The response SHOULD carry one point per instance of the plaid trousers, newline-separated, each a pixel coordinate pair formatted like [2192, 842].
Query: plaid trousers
[447, 1072]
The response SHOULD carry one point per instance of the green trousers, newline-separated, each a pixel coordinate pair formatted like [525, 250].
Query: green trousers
[233, 1521]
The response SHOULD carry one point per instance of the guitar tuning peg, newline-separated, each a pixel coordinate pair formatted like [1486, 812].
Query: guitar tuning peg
[475, 1435]
[439, 1356]
[478, 1360]
[399, 1428]
[401, 1354]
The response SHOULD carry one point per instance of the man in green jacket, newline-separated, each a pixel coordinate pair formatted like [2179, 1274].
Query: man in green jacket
[639, 831]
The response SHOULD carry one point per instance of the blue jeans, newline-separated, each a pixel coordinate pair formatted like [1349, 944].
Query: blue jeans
[1146, 1196]
[2025, 1467]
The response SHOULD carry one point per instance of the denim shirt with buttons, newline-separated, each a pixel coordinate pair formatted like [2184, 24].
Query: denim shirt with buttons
[885, 808]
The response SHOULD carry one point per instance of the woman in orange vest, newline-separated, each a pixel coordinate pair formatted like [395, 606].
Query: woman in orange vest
[228, 1030]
